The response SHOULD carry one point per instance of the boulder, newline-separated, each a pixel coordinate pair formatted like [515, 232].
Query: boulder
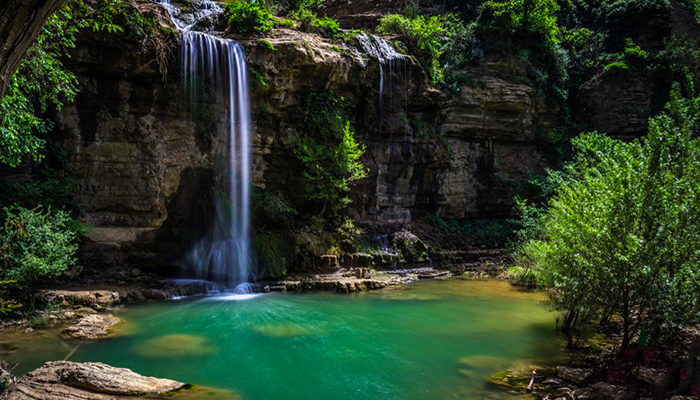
[90, 327]
[66, 380]
[653, 376]
[574, 375]
[609, 391]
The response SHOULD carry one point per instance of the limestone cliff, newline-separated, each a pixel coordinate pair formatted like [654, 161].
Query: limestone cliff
[144, 165]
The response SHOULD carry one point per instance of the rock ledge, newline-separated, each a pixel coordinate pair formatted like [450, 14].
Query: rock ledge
[66, 380]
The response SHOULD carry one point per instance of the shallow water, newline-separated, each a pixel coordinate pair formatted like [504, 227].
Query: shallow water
[429, 340]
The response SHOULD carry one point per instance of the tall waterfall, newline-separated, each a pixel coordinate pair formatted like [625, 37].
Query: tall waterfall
[223, 255]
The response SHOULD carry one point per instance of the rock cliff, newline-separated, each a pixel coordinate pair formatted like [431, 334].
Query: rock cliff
[144, 165]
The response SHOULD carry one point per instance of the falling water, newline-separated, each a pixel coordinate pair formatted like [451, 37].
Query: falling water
[391, 63]
[223, 255]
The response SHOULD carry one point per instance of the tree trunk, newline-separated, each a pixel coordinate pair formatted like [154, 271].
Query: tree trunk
[625, 320]
[20, 23]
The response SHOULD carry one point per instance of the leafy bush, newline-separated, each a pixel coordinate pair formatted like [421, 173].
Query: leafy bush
[309, 21]
[522, 276]
[528, 19]
[616, 66]
[490, 233]
[273, 210]
[426, 33]
[327, 154]
[620, 235]
[36, 244]
[248, 16]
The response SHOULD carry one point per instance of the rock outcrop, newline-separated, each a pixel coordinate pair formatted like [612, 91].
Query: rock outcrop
[144, 166]
[90, 327]
[65, 380]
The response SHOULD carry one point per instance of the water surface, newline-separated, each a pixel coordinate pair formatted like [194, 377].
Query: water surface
[429, 340]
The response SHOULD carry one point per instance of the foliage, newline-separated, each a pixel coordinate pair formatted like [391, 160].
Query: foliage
[428, 33]
[309, 21]
[679, 61]
[522, 276]
[35, 245]
[49, 188]
[327, 153]
[250, 16]
[290, 6]
[489, 233]
[38, 83]
[273, 211]
[266, 44]
[41, 83]
[526, 18]
[626, 218]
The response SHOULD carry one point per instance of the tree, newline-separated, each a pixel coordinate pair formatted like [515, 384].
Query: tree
[40, 82]
[327, 154]
[20, 24]
[621, 235]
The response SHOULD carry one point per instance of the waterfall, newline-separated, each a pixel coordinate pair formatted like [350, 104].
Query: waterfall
[223, 255]
[391, 63]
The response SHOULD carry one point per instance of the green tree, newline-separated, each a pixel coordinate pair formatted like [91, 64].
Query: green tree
[41, 82]
[620, 235]
[328, 154]
[526, 17]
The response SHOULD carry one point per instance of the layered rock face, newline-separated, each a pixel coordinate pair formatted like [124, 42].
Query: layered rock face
[144, 163]
[427, 152]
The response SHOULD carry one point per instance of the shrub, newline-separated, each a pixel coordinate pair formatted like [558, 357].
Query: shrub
[620, 235]
[273, 210]
[616, 66]
[309, 21]
[36, 244]
[528, 19]
[427, 33]
[248, 16]
[327, 154]
[266, 44]
[522, 276]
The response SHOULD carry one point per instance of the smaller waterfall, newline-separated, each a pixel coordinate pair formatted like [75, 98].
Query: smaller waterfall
[391, 64]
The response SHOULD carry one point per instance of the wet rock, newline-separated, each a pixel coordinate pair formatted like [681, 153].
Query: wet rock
[411, 247]
[652, 376]
[90, 327]
[86, 311]
[65, 380]
[362, 273]
[356, 260]
[574, 375]
[609, 391]
[385, 259]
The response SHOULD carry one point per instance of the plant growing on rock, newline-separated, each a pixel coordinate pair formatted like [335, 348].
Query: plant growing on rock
[327, 154]
[248, 16]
